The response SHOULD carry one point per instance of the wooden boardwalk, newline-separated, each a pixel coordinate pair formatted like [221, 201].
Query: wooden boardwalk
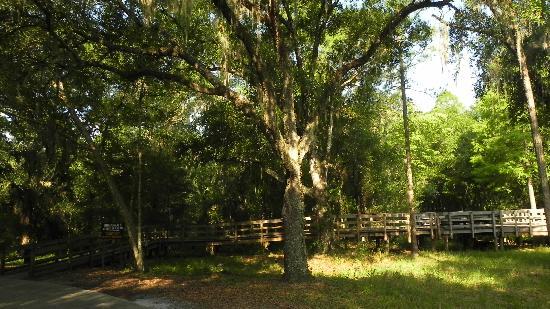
[444, 224]
[67, 253]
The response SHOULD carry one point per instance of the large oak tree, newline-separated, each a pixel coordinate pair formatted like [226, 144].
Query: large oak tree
[282, 64]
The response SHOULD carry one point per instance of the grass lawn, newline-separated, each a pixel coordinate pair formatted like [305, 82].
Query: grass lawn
[472, 279]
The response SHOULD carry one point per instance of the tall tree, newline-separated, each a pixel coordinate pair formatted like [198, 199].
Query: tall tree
[510, 23]
[285, 63]
[408, 157]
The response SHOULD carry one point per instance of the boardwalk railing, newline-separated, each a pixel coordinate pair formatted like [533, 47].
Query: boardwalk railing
[60, 254]
[498, 223]
[67, 253]
[242, 232]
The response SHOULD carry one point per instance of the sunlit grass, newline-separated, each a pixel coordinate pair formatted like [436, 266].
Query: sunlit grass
[472, 279]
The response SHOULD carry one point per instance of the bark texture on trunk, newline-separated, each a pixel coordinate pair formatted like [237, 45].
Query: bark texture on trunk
[295, 259]
[317, 171]
[535, 133]
[408, 161]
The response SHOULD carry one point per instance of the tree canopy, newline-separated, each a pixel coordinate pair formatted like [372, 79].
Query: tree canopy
[176, 112]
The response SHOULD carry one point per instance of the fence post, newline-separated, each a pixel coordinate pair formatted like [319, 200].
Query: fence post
[91, 249]
[386, 238]
[530, 224]
[262, 232]
[31, 261]
[493, 219]
[450, 225]
[409, 229]
[501, 230]
[358, 226]
[432, 224]
[2, 261]
[337, 224]
[472, 227]
[438, 225]
[317, 228]
[516, 223]
[70, 253]
[102, 248]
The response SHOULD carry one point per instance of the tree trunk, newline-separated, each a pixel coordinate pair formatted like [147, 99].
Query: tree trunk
[532, 200]
[408, 161]
[295, 253]
[133, 234]
[537, 138]
[126, 212]
[127, 216]
[317, 171]
[140, 265]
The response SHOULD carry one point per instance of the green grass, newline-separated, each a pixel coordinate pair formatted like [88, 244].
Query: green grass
[473, 279]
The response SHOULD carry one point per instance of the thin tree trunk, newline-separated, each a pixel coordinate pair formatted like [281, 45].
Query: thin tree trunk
[532, 200]
[126, 212]
[127, 215]
[408, 159]
[537, 138]
[140, 265]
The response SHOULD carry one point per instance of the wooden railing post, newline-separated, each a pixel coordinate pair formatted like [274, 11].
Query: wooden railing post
[91, 251]
[472, 227]
[438, 223]
[516, 231]
[317, 228]
[493, 220]
[432, 224]
[358, 226]
[31, 260]
[70, 254]
[386, 238]
[3, 261]
[530, 223]
[501, 230]
[337, 224]
[102, 252]
[262, 232]
[450, 225]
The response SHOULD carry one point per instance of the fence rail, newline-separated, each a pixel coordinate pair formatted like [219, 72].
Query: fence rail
[67, 253]
[530, 222]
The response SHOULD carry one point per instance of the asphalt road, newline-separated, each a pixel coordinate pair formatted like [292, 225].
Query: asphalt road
[16, 293]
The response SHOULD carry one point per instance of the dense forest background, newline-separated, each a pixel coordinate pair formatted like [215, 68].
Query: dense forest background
[190, 158]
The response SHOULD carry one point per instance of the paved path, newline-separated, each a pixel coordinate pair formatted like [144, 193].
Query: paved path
[16, 293]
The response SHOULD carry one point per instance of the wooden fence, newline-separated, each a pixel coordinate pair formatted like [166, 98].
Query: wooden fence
[531, 222]
[68, 253]
[242, 232]
[61, 254]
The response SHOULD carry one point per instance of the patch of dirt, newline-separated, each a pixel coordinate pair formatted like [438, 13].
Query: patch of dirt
[215, 291]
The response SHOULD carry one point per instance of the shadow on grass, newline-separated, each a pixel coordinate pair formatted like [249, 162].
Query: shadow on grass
[245, 266]
[513, 279]
[524, 275]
